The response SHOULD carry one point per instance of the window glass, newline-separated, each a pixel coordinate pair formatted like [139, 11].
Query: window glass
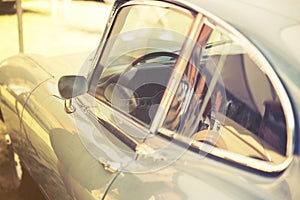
[139, 57]
[231, 105]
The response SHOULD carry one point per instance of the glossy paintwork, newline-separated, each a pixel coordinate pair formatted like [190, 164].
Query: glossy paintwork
[49, 142]
[44, 150]
[195, 177]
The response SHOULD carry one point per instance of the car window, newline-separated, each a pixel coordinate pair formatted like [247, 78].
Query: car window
[226, 100]
[139, 57]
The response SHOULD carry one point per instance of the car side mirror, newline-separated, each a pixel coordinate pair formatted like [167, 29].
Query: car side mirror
[70, 87]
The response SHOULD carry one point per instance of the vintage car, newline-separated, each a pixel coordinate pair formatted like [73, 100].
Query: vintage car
[182, 99]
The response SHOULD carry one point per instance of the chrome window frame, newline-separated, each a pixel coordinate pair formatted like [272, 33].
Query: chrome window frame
[266, 68]
[262, 62]
[205, 17]
[172, 83]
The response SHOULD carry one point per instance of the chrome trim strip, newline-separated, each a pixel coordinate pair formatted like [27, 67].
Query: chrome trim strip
[160, 4]
[117, 113]
[138, 146]
[215, 76]
[108, 124]
[177, 74]
[267, 69]
[243, 160]
[227, 155]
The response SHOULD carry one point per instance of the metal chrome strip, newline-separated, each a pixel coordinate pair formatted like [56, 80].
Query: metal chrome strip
[117, 113]
[160, 4]
[267, 69]
[220, 153]
[243, 160]
[116, 131]
[177, 74]
[138, 146]
[107, 123]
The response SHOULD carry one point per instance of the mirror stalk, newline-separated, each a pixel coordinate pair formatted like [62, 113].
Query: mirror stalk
[69, 108]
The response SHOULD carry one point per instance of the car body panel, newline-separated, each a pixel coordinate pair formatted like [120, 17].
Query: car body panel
[211, 179]
[18, 82]
[33, 136]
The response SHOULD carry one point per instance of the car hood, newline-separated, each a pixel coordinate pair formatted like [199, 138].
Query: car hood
[70, 64]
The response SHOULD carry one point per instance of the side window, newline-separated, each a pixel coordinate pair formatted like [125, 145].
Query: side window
[139, 57]
[233, 105]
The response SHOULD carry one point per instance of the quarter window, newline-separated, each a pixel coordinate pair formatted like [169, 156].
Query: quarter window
[225, 100]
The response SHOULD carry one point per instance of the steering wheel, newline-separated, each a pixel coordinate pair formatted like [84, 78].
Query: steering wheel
[145, 85]
[147, 99]
[152, 55]
[148, 96]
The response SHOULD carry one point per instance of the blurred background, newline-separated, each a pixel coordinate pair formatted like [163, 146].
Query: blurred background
[51, 28]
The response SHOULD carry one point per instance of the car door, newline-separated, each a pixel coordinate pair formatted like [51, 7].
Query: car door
[130, 80]
[228, 116]
[135, 67]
